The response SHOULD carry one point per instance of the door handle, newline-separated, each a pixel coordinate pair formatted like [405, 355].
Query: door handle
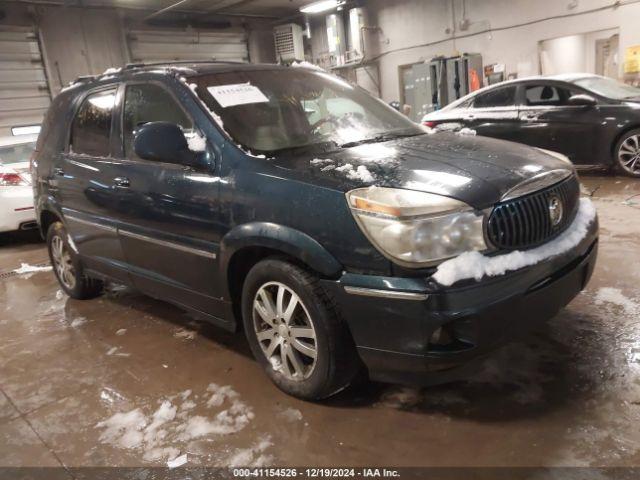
[121, 182]
[58, 172]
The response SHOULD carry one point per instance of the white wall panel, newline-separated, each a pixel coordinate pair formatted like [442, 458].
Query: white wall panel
[24, 93]
[177, 45]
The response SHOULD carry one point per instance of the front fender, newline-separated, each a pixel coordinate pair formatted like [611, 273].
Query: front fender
[278, 237]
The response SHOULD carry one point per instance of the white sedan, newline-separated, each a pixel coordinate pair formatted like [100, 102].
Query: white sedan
[16, 193]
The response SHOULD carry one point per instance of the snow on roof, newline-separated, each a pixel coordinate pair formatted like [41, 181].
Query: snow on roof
[570, 77]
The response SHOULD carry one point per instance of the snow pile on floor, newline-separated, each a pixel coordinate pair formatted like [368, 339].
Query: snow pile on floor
[166, 433]
[78, 322]
[114, 351]
[185, 334]
[177, 462]
[291, 414]
[28, 270]
[615, 296]
[308, 65]
[466, 131]
[251, 457]
[475, 265]
[53, 308]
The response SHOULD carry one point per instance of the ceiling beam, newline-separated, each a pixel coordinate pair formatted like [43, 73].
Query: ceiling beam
[134, 8]
[237, 3]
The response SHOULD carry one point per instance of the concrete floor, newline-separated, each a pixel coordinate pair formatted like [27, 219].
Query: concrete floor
[567, 396]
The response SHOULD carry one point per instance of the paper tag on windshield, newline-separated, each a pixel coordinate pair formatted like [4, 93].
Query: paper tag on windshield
[237, 94]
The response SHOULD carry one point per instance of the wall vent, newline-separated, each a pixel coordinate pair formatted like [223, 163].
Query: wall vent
[288, 41]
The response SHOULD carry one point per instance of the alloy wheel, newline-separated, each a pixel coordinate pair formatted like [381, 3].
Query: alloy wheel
[285, 331]
[629, 154]
[62, 262]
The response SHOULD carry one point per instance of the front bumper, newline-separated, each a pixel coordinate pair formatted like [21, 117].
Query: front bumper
[434, 334]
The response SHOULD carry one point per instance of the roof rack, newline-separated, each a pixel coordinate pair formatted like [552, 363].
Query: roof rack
[169, 63]
[131, 66]
[85, 78]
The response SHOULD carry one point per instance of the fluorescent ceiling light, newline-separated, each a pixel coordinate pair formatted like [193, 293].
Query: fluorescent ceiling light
[26, 130]
[321, 6]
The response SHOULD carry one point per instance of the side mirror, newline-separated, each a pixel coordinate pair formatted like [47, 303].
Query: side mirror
[164, 142]
[582, 100]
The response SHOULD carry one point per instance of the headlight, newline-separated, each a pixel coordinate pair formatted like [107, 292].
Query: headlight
[415, 228]
[557, 155]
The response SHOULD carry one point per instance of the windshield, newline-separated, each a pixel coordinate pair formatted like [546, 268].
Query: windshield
[16, 153]
[273, 110]
[608, 87]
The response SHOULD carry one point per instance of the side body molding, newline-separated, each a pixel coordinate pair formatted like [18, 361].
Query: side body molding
[285, 239]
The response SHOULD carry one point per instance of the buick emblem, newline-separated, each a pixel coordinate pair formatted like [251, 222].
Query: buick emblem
[555, 210]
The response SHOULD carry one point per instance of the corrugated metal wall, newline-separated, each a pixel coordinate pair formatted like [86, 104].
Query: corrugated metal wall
[24, 93]
[167, 45]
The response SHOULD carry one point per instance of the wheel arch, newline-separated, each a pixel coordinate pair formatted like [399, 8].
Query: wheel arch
[246, 245]
[617, 139]
[47, 213]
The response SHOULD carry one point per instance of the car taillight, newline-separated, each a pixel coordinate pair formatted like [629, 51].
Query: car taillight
[9, 179]
[430, 124]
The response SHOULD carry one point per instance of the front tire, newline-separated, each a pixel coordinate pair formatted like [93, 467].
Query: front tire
[67, 265]
[627, 153]
[294, 331]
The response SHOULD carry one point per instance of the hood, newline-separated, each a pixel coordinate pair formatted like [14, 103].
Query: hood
[476, 170]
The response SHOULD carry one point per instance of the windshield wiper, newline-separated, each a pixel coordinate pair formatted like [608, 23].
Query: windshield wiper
[385, 137]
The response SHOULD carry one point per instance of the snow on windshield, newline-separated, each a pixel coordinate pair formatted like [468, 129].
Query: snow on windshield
[608, 87]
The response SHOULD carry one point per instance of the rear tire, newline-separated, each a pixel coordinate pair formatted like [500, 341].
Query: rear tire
[304, 347]
[627, 154]
[68, 267]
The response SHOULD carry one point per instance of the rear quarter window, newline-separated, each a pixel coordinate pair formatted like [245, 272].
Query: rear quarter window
[500, 97]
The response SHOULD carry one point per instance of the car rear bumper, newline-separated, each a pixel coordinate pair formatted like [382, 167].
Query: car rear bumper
[16, 208]
[436, 334]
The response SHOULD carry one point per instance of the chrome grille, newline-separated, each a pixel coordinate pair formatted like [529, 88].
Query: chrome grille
[525, 222]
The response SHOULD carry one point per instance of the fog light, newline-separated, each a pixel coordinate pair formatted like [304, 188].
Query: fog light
[440, 337]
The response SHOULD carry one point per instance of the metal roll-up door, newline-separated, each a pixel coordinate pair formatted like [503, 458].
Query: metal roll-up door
[24, 93]
[179, 45]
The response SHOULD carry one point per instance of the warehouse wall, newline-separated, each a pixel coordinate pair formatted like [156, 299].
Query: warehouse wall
[407, 23]
[77, 41]
[85, 41]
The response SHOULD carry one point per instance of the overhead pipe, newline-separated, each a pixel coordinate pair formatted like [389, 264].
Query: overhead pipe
[165, 10]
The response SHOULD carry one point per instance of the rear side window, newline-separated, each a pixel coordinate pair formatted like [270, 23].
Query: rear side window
[150, 103]
[501, 97]
[91, 129]
[545, 95]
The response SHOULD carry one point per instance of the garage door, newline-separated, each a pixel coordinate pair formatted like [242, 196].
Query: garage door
[24, 93]
[176, 45]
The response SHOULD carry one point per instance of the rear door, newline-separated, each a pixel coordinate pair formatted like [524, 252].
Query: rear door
[83, 177]
[494, 113]
[548, 121]
[169, 230]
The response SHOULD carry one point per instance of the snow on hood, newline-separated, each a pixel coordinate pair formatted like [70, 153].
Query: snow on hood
[476, 170]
